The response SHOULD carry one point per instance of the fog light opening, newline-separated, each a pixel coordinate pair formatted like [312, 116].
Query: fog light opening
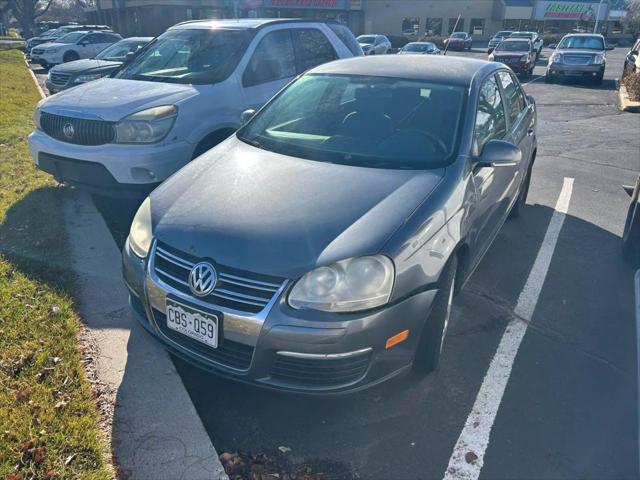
[396, 339]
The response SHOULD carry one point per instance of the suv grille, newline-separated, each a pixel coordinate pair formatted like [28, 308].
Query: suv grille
[236, 289]
[320, 372]
[232, 354]
[60, 79]
[576, 59]
[38, 51]
[83, 132]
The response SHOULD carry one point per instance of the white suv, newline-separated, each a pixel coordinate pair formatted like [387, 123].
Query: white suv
[179, 96]
[73, 46]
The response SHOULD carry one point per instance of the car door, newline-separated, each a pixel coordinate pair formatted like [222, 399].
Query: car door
[271, 66]
[521, 123]
[493, 185]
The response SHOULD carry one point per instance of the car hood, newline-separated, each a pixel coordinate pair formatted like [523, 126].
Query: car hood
[52, 44]
[113, 98]
[277, 215]
[577, 51]
[499, 53]
[84, 65]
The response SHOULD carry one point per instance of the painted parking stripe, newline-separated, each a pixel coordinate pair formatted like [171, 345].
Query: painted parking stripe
[468, 454]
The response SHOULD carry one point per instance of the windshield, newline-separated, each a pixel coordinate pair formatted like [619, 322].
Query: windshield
[70, 37]
[48, 33]
[521, 35]
[418, 47]
[458, 35]
[513, 47]
[361, 121]
[367, 39]
[504, 33]
[198, 56]
[118, 51]
[589, 43]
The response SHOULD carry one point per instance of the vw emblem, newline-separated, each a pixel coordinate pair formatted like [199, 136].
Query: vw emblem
[202, 279]
[68, 130]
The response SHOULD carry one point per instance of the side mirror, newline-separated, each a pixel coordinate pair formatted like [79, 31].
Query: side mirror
[246, 116]
[129, 56]
[498, 153]
[553, 45]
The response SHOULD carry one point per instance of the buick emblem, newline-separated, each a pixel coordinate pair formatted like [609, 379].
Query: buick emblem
[68, 130]
[202, 279]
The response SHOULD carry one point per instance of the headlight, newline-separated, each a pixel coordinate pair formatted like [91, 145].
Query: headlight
[524, 58]
[146, 126]
[598, 59]
[140, 233]
[555, 58]
[88, 77]
[36, 114]
[347, 286]
[491, 57]
[51, 50]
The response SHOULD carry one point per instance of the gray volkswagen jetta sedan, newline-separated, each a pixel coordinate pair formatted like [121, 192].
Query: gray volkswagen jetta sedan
[318, 249]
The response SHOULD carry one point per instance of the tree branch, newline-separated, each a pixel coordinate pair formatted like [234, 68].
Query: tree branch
[43, 11]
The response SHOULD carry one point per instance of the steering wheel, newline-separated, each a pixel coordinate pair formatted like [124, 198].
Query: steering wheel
[433, 139]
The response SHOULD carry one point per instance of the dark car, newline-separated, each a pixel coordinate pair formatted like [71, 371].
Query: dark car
[459, 41]
[496, 39]
[318, 249]
[69, 74]
[517, 53]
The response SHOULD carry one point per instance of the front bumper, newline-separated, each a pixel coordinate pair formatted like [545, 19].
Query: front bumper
[53, 88]
[349, 349]
[110, 168]
[564, 70]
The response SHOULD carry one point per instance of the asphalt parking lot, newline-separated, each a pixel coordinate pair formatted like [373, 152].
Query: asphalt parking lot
[569, 409]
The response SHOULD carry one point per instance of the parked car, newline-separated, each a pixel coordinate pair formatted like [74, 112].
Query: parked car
[419, 48]
[70, 74]
[517, 53]
[374, 44]
[578, 55]
[183, 94]
[632, 60]
[459, 41]
[631, 233]
[318, 249]
[53, 34]
[497, 38]
[536, 40]
[73, 46]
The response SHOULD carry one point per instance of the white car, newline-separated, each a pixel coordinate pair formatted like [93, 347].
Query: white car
[73, 46]
[182, 94]
[536, 40]
[374, 44]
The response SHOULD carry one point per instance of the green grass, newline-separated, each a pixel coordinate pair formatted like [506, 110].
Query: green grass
[48, 419]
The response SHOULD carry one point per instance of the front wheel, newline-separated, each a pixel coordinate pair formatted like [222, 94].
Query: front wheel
[599, 78]
[517, 208]
[548, 78]
[434, 332]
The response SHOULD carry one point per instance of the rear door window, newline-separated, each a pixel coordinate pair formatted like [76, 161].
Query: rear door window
[312, 48]
[273, 59]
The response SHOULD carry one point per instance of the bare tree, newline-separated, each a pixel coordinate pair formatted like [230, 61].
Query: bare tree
[632, 20]
[27, 11]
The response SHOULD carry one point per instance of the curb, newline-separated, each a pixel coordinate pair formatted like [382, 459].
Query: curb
[156, 431]
[35, 80]
[625, 103]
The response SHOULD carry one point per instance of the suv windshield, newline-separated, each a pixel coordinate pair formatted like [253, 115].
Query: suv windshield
[504, 33]
[459, 35]
[418, 47]
[589, 43]
[513, 47]
[118, 51]
[70, 37]
[362, 121]
[195, 55]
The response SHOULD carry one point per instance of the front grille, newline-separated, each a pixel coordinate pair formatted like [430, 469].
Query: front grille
[236, 289]
[78, 130]
[232, 354]
[312, 372]
[60, 79]
[37, 51]
[506, 60]
[577, 59]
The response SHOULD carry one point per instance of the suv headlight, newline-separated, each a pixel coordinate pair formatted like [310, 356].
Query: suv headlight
[140, 232]
[88, 77]
[555, 58]
[51, 50]
[598, 59]
[524, 58]
[350, 285]
[36, 114]
[147, 126]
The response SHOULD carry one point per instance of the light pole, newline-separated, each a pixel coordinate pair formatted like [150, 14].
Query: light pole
[595, 27]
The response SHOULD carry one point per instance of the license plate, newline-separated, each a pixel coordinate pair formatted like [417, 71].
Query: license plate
[193, 323]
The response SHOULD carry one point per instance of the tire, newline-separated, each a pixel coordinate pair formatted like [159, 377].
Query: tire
[599, 79]
[211, 141]
[434, 332]
[631, 233]
[548, 78]
[70, 57]
[516, 210]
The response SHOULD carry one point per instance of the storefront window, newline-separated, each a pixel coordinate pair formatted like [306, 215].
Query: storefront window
[476, 27]
[457, 28]
[433, 26]
[410, 26]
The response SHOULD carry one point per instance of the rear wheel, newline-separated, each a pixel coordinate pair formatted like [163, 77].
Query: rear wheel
[70, 57]
[434, 332]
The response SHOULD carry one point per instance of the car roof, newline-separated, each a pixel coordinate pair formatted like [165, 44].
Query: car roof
[137, 39]
[516, 39]
[243, 23]
[583, 35]
[437, 69]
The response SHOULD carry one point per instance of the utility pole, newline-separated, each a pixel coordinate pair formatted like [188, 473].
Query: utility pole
[595, 27]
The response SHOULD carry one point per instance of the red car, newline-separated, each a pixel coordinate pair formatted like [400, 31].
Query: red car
[517, 53]
[459, 41]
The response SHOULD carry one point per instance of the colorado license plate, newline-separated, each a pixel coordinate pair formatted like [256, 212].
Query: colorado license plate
[193, 323]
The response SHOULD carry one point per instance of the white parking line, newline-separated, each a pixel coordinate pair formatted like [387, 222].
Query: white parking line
[468, 454]
[533, 80]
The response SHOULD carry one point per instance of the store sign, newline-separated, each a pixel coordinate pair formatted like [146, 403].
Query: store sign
[579, 11]
[321, 4]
